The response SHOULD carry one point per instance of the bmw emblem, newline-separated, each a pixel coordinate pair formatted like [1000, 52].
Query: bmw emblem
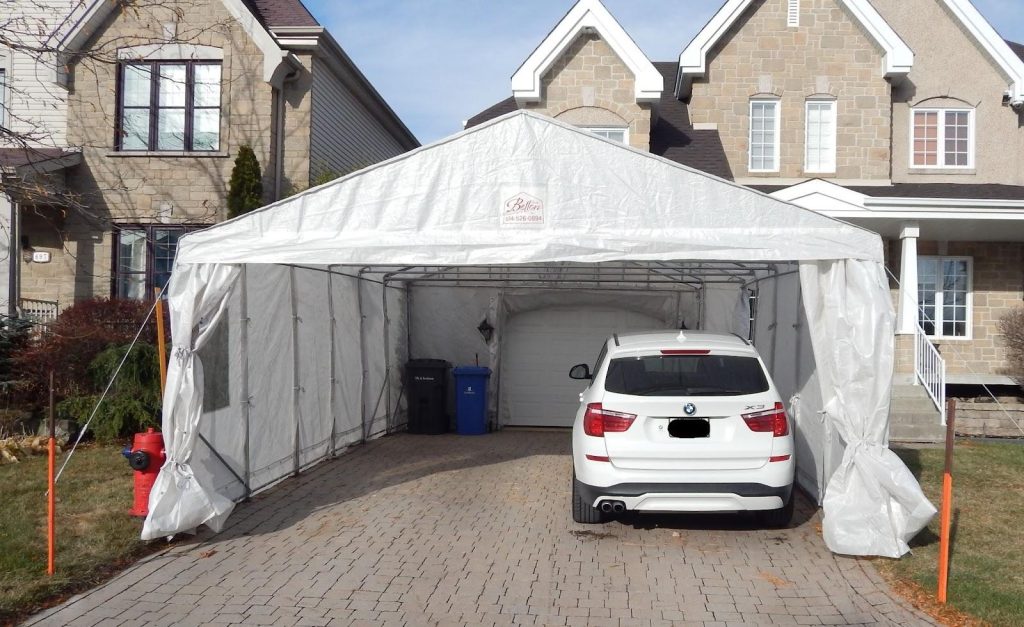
[690, 409]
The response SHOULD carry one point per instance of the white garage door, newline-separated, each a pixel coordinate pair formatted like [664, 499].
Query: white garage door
[538, 349]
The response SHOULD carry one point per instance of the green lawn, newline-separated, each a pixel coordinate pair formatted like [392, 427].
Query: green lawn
[95, 534]
[987, 551]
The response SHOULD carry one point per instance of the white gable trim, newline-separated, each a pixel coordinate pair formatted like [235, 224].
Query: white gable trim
[836, 201]
[898, 57]
[274, 67]
[587, 15]
[993, 44]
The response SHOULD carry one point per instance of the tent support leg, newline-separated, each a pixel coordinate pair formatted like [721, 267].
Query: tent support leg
[332, 395]
[246, 398]
[387, 358]
[362, 355]
[295, 371]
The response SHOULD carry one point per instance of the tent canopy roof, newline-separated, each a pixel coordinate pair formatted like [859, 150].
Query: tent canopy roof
[525, 188]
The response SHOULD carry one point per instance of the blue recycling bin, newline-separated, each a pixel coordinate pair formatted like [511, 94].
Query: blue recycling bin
[471, 399]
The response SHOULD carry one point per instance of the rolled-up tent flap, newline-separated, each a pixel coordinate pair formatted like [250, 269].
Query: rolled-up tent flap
[873, 504]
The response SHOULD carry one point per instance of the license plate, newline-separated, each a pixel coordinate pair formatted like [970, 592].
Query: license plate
[689, 428]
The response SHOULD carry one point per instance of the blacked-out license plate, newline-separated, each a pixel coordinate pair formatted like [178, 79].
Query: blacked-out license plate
[689, 428]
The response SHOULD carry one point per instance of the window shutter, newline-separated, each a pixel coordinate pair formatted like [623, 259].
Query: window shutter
[793, 14]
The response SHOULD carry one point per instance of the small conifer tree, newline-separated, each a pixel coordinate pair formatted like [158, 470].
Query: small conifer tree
[245, 190]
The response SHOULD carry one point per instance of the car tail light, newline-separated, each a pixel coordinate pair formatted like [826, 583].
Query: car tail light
[598, 458]
[597, 421]
[770, 420]
[778, 458]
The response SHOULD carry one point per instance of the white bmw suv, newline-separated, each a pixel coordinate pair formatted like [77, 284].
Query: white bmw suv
[680, 422]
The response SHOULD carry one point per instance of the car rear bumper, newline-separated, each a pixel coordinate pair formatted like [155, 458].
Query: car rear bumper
[689, 497]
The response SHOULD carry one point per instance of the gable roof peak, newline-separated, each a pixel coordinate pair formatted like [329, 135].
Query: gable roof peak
[898, 57]
[587, 16]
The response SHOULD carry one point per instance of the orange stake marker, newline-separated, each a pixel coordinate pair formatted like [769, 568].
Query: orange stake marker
[160, 347]
[51, 496]
[947, 501]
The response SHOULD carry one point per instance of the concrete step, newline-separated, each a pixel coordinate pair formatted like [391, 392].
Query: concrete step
[916, 433]
[913, 416]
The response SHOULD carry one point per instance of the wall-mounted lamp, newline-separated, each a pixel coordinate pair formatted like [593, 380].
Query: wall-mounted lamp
[486, 330]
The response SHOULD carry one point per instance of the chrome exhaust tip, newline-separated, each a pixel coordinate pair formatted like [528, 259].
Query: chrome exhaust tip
[618, 507]
[606, 507]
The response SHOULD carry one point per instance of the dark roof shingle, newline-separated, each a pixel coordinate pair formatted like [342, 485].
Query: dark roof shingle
[273, 13]
[1018, 49]
[507, 105]
[674, 138]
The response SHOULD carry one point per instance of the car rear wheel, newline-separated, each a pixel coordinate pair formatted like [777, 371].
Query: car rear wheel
[778, 517]
[582, 511]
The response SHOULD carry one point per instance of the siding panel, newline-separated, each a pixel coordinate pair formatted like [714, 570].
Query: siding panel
[344, 135]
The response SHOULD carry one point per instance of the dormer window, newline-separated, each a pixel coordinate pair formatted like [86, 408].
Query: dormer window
[169, 106]
[942, 138]
[620, 135]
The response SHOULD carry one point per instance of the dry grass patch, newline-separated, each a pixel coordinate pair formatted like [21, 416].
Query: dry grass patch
[986, 579]
[95, 534]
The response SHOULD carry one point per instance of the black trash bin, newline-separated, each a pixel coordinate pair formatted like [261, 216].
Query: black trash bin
[426, 387]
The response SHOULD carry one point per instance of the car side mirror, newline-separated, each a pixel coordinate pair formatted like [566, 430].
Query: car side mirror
[580, 371]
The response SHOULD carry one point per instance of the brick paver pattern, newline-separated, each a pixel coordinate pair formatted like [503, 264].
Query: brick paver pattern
[449, 530]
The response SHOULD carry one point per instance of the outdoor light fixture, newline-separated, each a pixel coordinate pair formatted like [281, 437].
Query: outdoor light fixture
[486, 330]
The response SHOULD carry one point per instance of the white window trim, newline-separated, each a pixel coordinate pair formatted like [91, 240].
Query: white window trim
[938, 300]
[623, 129]
[942, 138]
[750, 134]
[835, 130]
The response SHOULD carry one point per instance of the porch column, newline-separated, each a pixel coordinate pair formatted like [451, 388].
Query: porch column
[906, 320]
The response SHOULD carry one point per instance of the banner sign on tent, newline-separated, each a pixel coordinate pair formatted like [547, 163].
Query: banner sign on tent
[522, 206]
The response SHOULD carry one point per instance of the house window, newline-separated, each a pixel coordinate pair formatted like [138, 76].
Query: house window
[942, 138]
[764, 136]
[944, 296]
[821, 136]
[612, 133]
[169, 106]
[144, 257]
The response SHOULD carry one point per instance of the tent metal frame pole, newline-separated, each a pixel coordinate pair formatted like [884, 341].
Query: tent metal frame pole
[243, 333]
[331, 393]
[364, 371]
[387, 357]
[295, 370]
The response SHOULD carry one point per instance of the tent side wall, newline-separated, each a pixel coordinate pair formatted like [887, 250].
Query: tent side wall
[782, 336]
[283, 374]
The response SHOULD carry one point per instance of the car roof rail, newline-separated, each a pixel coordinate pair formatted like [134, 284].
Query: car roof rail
[615, 336]
[743, 339]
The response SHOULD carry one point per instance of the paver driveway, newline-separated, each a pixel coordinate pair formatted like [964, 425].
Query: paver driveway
[449, 530]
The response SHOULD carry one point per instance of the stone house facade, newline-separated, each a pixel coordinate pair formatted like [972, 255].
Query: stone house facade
[905, 117]
[158, 102]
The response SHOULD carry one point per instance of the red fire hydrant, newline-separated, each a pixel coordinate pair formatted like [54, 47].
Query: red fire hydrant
[145, 456]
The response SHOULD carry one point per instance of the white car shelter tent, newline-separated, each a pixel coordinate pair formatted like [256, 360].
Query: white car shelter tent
[291, 324]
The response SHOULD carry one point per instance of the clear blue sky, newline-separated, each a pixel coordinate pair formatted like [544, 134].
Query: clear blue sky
[438, 62]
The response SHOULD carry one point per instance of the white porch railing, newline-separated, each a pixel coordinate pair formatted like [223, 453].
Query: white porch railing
[42, 312]
[930, 370]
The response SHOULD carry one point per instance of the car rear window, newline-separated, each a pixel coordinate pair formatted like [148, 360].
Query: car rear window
[685, 375]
